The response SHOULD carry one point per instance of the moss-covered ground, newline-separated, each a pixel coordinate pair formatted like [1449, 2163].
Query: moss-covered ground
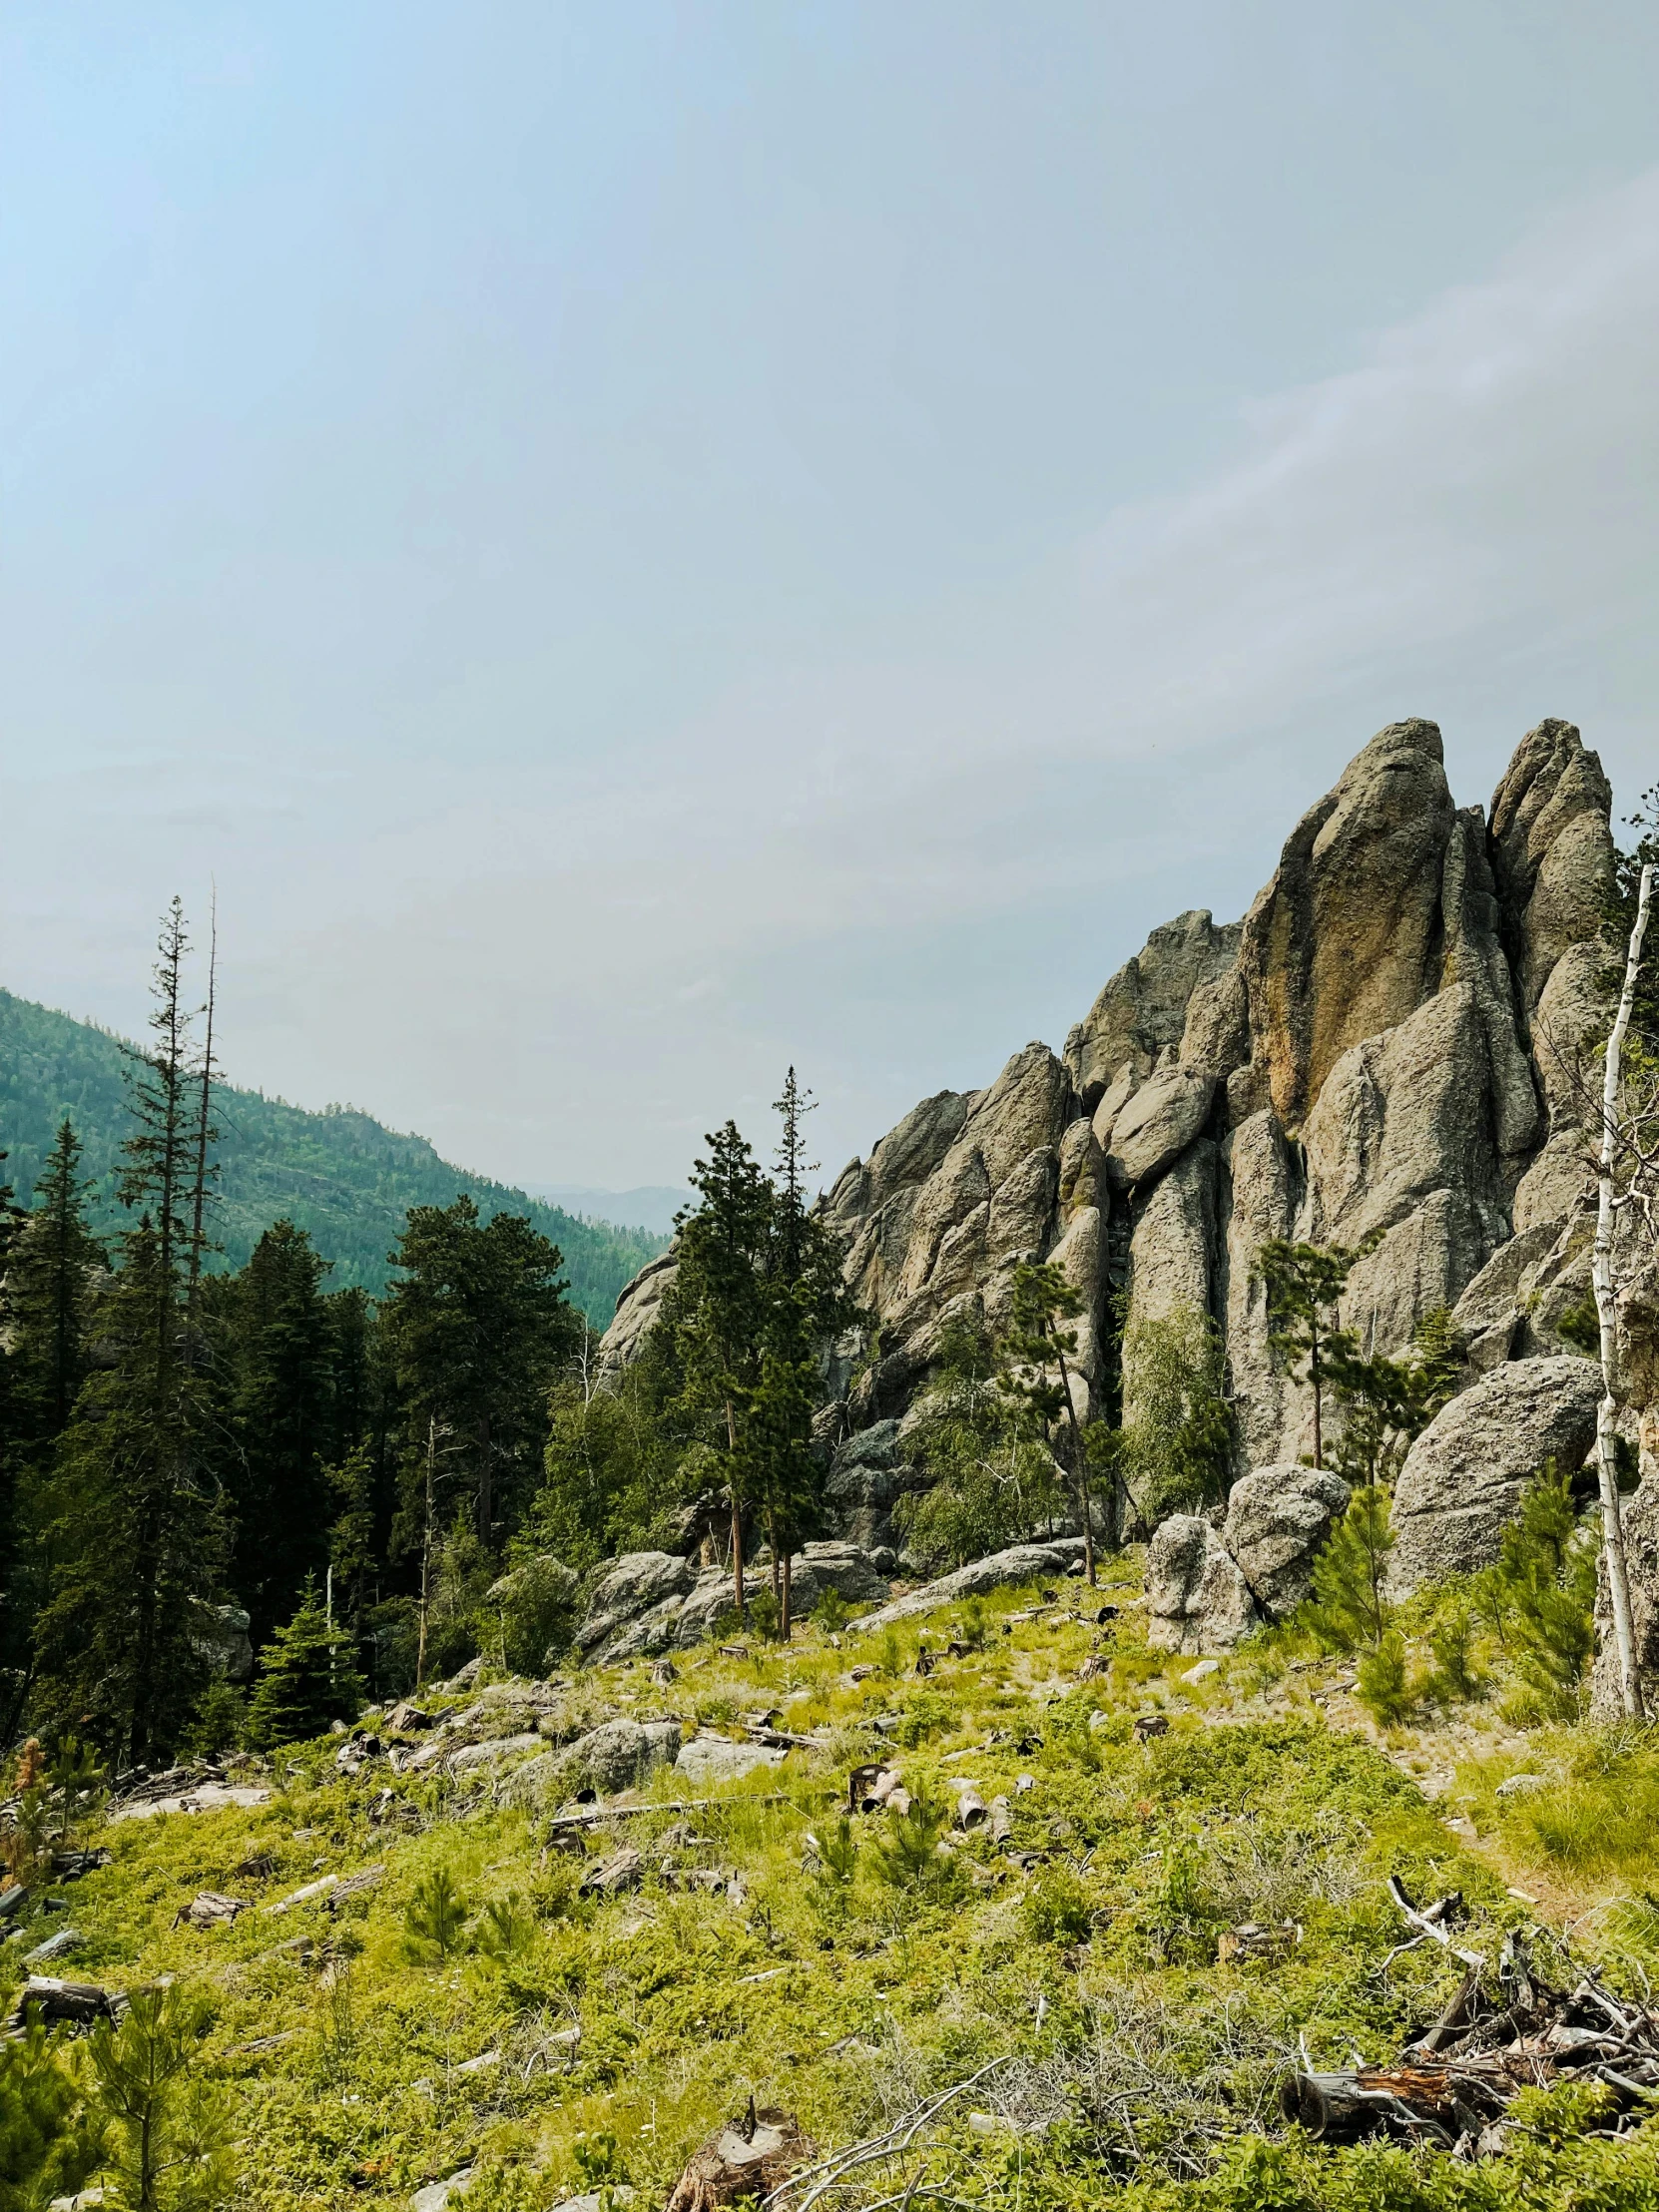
[564, 2040]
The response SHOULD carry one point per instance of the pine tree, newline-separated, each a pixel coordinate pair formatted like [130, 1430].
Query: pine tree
[476, 1330]
[1304, 1285]
[135, 1526]
[806, 1306]
[15, 1607]
[307, 1678]
[279, 1347]
[168, 2145]
[1349, 1610]
[1044, 1303]
[716, 1312]
[51, 1278]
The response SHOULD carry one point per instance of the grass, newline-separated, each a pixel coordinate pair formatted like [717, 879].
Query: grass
[845, 1984]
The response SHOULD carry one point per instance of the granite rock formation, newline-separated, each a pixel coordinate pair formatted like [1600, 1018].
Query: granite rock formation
[1387, 1043]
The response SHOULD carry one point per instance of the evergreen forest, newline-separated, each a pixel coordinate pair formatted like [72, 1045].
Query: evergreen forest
[340, 1176]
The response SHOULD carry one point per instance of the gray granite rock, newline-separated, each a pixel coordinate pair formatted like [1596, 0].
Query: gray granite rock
[1196, 1598]
[1462, 1479]
[1278, 1519]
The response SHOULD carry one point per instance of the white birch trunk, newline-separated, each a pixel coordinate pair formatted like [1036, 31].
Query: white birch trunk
[1601, 1277]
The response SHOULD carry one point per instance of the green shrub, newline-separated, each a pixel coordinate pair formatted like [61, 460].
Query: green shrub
[1540, 1595]
[832, 1612]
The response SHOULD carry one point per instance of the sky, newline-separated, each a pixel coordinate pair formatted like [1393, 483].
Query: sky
[635, 546]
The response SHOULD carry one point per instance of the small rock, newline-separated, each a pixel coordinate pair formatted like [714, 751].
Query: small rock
[1519, 1785]
[614, 1875]
[1203, 1671]
[437, 2194]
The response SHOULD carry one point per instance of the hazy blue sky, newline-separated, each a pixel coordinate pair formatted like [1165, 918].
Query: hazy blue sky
[639, 543]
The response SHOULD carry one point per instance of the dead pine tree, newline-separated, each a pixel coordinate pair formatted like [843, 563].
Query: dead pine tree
[1620, 1135]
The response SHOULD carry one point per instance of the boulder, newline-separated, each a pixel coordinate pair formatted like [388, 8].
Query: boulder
[713, 1759]
[617, 1755]
[841, 1568]
[231, 1647]
[1278, 1518]
[1196, 1598]
[1019, 1563]
[627, 1587]
[705, 1611]
[1462, 1479]
[1158, 1124]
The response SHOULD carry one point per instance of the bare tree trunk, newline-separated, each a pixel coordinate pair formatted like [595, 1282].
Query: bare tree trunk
[1080, 1464]
[736, 1512]
[427, 1547]
[1602, 1275]
[784, 1603]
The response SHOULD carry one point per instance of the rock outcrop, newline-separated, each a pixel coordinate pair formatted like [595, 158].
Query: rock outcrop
[650, 1603]
[1388, 1045]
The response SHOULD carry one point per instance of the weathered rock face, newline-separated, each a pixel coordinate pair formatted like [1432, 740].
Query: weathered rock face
[1387, 1042]
[1464, 1475]
[1345, 941]
[1141, 1014]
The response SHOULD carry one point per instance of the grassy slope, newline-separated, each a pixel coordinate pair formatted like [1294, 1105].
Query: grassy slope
[339, 1175]
[1094, 1976]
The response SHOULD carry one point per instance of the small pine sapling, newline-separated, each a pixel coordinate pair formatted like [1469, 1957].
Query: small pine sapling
[836, 1857]
[76, 1776]
[1456, 1675]
[1383, 1686]
[507, 1928]
[908, 1855]
[1349, 1610]
[1541, 1596]
[170, 2135]
[434, 1919]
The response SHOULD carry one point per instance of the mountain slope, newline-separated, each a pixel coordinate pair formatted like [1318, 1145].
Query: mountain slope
[338, 1174]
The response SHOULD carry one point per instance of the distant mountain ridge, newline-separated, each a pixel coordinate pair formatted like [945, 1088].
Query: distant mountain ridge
[650, 1205]
[339, 1175]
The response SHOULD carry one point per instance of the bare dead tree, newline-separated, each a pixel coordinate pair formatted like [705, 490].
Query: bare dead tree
[1622, 1134]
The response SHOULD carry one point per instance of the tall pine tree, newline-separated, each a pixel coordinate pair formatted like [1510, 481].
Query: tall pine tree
[716, 1312]
[136, 1532]
[807, 1304]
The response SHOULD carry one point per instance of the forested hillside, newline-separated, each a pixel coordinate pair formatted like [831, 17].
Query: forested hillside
[339, 1175]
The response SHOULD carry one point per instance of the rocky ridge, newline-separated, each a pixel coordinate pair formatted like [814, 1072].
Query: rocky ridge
[1383, 1046]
